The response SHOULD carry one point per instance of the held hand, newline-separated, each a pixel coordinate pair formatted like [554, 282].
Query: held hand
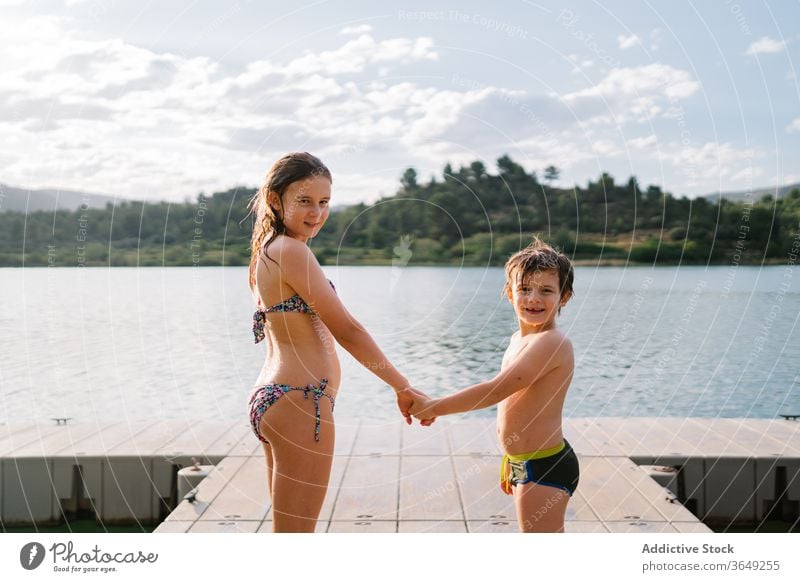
[406, 399]
[422, 409]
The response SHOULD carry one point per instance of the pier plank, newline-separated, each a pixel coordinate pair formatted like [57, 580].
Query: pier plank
[739, 431]
[173, 527]
[473, 437]
[424, 494]
[590, 440]
[662, 500]
[224, 527]
[362, 527]
[65, 437]
[109, 437]
[9, 428]
[478, 481]
[710, 443]
[232, 441]
[640, 527]
[647, 439]
[585, 527]
[194, 442]
[382, 439]
[691, 527]
[432, 527]
[497, 526]
[369, 489]
[19, 438]
[148, 442]
[345, 437]
[786, 432]
[266, 527]
[610, 495]
[244, 497]
[579, 509]
[421, 440]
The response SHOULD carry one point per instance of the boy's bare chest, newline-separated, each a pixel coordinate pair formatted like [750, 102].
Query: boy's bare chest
[515, 346]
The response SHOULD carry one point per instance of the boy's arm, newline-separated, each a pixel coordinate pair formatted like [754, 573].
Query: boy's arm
[533, 362]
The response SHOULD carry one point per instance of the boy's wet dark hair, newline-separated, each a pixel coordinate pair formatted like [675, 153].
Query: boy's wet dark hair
[536, 257]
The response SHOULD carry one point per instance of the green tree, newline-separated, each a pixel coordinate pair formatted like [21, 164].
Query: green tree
[551, 174]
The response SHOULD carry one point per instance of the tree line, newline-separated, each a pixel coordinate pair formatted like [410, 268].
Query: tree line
[465, 216]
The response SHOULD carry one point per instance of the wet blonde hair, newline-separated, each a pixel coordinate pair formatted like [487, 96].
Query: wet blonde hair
[268, 222]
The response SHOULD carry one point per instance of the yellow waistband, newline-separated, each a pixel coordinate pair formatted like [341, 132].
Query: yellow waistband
[538, 454]
[505, 478]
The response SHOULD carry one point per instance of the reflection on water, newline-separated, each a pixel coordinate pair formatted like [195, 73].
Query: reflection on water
[104, 344]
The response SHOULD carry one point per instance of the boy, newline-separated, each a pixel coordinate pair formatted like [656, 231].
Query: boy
[539, 467]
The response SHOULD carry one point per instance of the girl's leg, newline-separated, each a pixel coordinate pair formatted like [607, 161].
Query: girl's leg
[540, 508]
[301, 465]
[270, 463]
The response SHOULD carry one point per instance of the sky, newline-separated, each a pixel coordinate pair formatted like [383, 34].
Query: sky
[164, 100]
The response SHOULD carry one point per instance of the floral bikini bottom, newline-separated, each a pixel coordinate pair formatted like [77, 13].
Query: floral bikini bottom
[265, 396]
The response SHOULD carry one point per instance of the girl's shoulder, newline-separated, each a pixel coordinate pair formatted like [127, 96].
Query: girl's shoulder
[283, 246]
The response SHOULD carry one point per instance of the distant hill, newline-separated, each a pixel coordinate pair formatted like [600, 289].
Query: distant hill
[18, 199]
[754, 193]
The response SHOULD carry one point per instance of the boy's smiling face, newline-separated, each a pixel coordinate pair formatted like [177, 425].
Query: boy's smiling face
[536, 299]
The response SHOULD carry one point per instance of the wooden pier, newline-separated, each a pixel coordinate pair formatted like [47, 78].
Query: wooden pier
[637, 475]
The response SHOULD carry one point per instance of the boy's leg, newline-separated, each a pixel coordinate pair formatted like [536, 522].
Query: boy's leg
[540, 508]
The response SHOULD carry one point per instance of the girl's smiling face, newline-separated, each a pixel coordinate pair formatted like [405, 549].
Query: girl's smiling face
[305, 208]
[536, 299]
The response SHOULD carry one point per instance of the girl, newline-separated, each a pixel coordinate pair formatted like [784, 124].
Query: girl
[299, 315]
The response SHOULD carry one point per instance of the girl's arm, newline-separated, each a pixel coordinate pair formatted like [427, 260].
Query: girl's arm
[301, 271]
[537, 359]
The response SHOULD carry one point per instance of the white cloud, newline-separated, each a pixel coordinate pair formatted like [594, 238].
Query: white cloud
[356, 54]
[631, 94]
[109, 116]
[147, 114]
[656, 78]
[766, 45]
[603, 147]
[747, 174]
[794, 126]
[626, 42]
[712, 160]
[360, 29]
[787, 179]
[639, 143]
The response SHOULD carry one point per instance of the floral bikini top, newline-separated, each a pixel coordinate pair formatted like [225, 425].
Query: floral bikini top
[294, 303]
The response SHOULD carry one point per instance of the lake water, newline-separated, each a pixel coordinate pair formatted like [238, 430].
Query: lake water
[106, 344]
